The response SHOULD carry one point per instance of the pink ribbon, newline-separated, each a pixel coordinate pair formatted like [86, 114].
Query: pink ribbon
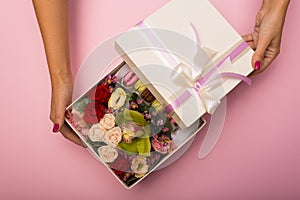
[201, 81]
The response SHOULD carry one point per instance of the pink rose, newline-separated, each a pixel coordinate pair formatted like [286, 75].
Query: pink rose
[108, 121]
[79, 123]
[160, 147]
[114, 136]
[163, 144]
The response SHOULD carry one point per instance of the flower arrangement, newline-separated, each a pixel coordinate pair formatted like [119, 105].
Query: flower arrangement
[124, 125]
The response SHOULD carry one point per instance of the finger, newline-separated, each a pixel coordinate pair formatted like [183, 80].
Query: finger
[267, 61]
[252, 45]
[60, 104]
[70, 135]
[250, 40]
[68, 112]
[52, 110]
[271, 53]
[259, 53]
[248, 37]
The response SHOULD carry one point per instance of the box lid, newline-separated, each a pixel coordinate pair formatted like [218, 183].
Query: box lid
[165, 53]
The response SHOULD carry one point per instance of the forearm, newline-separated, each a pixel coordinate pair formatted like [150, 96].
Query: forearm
[276, 4]
[52, 17]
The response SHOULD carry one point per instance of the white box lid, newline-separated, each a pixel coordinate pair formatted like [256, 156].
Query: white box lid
[172, 26]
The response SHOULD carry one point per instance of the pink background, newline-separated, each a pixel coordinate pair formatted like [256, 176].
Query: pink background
[257, 156]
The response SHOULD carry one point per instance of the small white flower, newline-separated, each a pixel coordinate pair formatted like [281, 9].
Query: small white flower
[117, 99]
[97, 133]
[139, 165]
[107, 154]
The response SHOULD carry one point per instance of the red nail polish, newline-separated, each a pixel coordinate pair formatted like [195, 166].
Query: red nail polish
[257, 65]
[55, 128]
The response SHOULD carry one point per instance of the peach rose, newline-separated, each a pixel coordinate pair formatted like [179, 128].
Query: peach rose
[107, 154]
[114, 136]
[97, 133]
[108, 121]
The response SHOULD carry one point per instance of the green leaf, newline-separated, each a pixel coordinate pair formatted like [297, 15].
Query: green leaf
[119, 118]
[147, 130]
[80, 105]
[138, 118]
[141, 146]
[129, 148]
[132, 115]
[144, 146]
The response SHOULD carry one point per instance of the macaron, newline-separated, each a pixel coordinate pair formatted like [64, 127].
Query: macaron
[157, 105]
[139, 86]
[147, 95]
[130, 78]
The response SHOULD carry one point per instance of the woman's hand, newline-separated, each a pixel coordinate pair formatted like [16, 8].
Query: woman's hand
[62, 88]
[266, 37]
[52, 16]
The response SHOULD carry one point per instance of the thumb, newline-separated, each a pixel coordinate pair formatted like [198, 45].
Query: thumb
[59, 109]
[259, 53]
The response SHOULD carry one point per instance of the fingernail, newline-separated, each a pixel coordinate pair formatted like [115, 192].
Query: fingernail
[55, 128]
[257, 65]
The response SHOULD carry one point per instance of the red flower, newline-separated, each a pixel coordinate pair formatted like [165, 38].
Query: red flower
[122, 163]
[93, 112]
[101, 94]
[120, 174]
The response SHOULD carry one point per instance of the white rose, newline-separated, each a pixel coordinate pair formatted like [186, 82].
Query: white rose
[114, 136]
[108, 121]
[97, 133]
[139, 165]
[107, 154]
[117, 99]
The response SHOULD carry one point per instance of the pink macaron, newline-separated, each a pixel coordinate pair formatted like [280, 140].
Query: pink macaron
[130, 78]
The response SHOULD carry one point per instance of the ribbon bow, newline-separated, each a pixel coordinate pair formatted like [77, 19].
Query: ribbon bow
[208, 85]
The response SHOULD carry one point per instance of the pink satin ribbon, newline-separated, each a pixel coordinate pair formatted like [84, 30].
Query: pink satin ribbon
[201, 81]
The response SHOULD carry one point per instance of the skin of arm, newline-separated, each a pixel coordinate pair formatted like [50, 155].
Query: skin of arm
[266, 37]
[52, 16]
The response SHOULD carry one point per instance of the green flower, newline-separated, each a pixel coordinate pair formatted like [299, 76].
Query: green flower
[141, 146]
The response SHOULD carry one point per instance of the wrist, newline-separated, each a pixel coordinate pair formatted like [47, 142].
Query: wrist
[61, 75]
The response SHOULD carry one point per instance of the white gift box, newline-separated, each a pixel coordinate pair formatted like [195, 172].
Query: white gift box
[181, 44]
[95, 135]
[182, 53]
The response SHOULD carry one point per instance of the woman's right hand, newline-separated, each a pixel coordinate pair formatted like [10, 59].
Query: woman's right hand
[52, 16]
[62, 88]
